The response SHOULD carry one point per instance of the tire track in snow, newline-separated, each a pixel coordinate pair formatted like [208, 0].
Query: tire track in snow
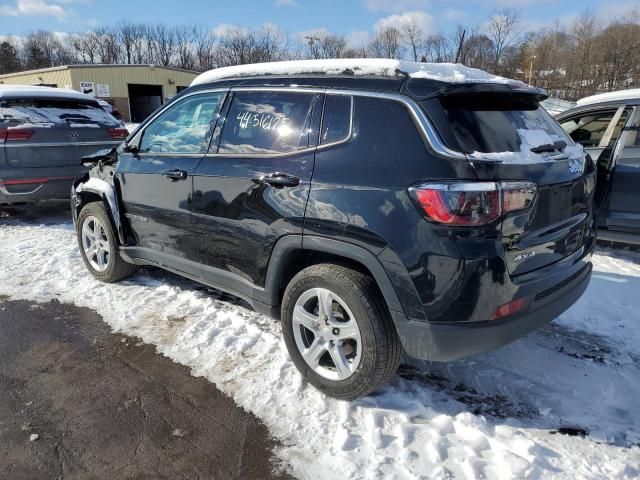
[409, 429]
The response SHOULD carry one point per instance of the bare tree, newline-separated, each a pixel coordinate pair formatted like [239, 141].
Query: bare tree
[413, 34]
[271, 43]
[43, 49]
[129, 35]
[438, 48]
[387, 43]
[325, 45]
[502, 29]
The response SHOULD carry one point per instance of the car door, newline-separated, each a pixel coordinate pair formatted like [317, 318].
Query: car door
[156, 180]
[252, 188]
[598, 131]
[623, 213]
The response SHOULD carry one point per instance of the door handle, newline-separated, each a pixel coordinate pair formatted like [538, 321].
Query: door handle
[278, 180]
[174, 175]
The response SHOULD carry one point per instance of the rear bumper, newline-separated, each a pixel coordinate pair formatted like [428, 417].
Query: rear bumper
[33, 189]
[451, 341]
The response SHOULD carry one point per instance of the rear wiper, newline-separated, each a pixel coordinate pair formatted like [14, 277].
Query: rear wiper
[559, 145]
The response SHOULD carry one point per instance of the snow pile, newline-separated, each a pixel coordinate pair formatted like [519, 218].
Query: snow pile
[445, 72]
[492, 416]
[30, 91]
[633, 93]
[531, 138]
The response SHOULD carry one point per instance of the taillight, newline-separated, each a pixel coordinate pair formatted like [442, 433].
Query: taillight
[18, 134]
[517, 195]
[118, 133]
[472, 203]
[3, 134]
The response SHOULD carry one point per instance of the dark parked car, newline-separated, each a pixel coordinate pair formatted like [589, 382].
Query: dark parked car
[374, 206]
[607, 126]
[44, 133]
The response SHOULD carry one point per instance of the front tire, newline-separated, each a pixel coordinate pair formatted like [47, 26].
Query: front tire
[338, 331]
[99, 245]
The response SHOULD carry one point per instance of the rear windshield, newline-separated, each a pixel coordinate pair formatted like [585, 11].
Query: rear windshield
[54, 111]
[492, 123]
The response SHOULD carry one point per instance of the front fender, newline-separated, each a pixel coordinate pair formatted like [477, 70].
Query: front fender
[86, 189]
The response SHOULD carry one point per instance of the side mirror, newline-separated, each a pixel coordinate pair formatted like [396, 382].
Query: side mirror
[131, 148]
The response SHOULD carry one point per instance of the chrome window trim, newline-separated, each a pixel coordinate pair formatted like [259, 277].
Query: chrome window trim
[349, 134]
[426, 129]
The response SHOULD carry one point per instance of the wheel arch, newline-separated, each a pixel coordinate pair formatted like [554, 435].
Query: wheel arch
[92, 189]
[293, 253]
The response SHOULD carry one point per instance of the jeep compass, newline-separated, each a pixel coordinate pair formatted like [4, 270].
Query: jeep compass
[375, 206]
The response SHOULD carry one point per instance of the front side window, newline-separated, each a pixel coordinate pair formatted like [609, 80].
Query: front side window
[184, 127]
[589, 128]
[267, 123]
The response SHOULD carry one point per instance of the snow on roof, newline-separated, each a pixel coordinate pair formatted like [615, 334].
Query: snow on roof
[445, 72]
[15, 91]
[606, 97]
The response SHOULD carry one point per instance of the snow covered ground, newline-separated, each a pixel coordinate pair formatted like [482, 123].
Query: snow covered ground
[493, 416]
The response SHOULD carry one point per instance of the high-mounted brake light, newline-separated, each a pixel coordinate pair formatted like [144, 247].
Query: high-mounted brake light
[118, 133]
[472, 203]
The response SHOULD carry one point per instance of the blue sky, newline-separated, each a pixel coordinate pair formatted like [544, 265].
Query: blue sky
[353, 18]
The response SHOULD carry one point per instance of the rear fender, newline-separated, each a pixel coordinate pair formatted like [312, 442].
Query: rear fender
[86, 190]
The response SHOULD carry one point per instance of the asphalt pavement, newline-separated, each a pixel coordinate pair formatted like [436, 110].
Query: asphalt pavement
[80, 402]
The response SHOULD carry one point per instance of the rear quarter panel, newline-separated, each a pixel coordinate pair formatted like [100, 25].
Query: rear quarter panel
[359, 190]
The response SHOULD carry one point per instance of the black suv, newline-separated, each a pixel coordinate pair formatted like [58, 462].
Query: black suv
[372, 212]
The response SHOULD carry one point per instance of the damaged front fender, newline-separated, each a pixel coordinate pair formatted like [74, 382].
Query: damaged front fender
[90, 189]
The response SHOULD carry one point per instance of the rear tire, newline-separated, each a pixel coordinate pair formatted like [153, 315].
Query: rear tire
[99, 245]
[352, 351]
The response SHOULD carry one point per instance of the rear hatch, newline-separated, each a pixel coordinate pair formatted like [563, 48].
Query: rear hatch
[49, 132]
[508, 137]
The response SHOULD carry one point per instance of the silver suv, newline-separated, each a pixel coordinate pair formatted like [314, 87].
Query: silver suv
[607, 126]
[44, 133]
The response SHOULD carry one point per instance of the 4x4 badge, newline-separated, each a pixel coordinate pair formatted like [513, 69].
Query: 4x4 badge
[576, 165]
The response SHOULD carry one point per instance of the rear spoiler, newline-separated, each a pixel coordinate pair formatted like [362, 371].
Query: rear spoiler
[423, 89]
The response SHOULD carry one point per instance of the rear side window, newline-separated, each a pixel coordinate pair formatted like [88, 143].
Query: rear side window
[336, 119]
[492, 123]
[267, 123]
[589, 129]
[55, 112]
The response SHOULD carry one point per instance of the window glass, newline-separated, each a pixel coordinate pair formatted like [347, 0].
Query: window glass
[266, 123]
[336, 119]
[184, 127]
[589, 129]
[491, 123]
[54, 111]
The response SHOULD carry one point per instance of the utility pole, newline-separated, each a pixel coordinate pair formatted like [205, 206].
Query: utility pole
[464, 32]
[531, 68]
[311, 40]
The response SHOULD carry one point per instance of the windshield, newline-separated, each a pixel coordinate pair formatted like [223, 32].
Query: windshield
[494, 123]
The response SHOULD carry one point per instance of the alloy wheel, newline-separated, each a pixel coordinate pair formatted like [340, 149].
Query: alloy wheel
[327, 334]
[95, 244]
